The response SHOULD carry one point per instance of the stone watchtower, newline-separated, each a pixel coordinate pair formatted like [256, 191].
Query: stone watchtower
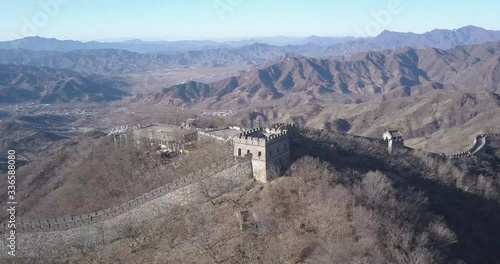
[394, 139]
[268, 147]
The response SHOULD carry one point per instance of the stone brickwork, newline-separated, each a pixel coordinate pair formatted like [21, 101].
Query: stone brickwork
[267, 147]
[60, 242]
[165, 134]
[69, 222]
[479, 143]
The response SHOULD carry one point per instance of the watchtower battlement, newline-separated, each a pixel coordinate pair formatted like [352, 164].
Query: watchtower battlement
[284, 125]
[267, 146]
[261, 136]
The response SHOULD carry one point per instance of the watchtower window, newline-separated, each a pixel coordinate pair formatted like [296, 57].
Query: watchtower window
[239, 152]
[248, 151]
[259, 154]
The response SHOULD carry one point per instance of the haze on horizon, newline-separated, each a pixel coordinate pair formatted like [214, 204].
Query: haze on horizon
[236, 19]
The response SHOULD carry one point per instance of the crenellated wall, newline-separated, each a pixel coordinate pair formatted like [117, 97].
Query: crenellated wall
[269, 148]
[246, 137]
[87, 237]
[69, 222]
[479, 143]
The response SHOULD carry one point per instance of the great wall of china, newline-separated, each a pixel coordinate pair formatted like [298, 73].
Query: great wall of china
[69, 222]
[479, 144]
[58, 242]
[35, 234]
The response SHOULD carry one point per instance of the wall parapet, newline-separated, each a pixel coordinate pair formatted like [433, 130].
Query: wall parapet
[277, 134]
[70, 222]
[479, 143]
[212, 129]
[203, 133]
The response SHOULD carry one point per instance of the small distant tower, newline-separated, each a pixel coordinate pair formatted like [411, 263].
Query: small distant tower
[268, 147]
[394, 139]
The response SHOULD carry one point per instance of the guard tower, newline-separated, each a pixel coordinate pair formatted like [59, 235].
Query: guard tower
[268, 147]
[394, 139]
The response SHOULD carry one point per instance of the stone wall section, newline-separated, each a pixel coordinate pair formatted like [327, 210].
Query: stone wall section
[202, 133]
[69, 222]
[479, 143]
[96, 234]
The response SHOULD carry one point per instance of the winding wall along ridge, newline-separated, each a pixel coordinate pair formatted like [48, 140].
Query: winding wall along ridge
[69, 222]
[479, 144]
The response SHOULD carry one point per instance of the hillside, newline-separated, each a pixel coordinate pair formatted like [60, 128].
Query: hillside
[47, 85]
[437, 121]
[384, 75]
[343, 200]
[114, 61]
[33, 134]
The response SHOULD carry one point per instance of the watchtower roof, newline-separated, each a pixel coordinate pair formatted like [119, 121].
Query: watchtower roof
[392, 134]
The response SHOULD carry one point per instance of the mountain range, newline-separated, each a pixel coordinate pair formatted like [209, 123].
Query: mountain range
[47, 85]
[293, 80]
[439, 38]
[166, 47]
[134, 45]
[384, 75]
[121, 57]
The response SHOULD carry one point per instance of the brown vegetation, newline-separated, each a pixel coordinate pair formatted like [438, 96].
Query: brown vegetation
[344, 200]
[87, 175]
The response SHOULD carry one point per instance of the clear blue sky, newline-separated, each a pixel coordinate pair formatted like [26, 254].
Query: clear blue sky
[227, 19]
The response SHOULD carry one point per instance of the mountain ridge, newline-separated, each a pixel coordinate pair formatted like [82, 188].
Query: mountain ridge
[47, 85]
[386, 74]
[104, 60]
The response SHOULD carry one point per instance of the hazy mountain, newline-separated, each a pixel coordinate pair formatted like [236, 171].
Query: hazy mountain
[101, 61]
[137, 45]
[134, 45]
[116, 58]
[112, 61]
[46, 85]
[285, 41]
[386, 74]
[326, 41]
[438, 38]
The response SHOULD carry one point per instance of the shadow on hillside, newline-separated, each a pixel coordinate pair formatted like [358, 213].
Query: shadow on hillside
[341, 153]
[474, 219]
